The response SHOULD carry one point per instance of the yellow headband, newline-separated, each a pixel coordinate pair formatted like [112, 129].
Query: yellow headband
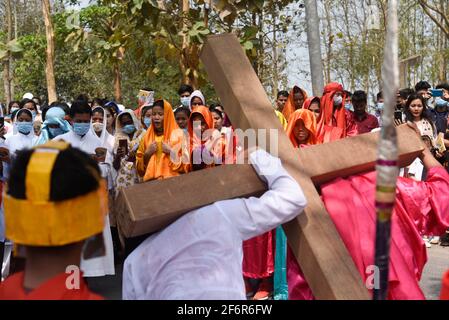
[37, 221]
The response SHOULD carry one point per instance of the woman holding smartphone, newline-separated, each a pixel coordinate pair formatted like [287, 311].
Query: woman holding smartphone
[128, 135]
[416, 112]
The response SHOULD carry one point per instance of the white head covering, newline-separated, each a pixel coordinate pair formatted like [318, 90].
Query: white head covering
[28, 95]
[105, 137]
[119, 134]
[198, 94]
[121, 107]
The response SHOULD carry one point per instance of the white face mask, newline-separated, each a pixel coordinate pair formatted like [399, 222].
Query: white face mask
[338, 100]
[98, 126]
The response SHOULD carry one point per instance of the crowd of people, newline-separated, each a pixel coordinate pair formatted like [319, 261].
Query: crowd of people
[156, 140]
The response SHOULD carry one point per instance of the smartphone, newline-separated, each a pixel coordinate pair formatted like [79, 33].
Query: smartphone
[437, 93]
[123, 143]
[101, 154]
[398, 115]
[4, 152]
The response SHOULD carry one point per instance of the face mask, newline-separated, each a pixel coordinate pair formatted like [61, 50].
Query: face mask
[14, 109]
[54, 132]
[81, 128]
[380, 106]
[338, 100]
[33, 113]
[348, 106]
[147, 122]
[129, 129]
[440, 103]
[24, 127]
[185, 101]
[98, 126]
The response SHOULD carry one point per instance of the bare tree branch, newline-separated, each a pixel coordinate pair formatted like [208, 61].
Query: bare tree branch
[427, 7]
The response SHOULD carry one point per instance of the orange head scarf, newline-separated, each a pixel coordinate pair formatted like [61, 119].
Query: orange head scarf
[218, 147]
[169, 125]
[325, 126]
[289, 107]
[207, 115]
[172, 136]
[309, 120]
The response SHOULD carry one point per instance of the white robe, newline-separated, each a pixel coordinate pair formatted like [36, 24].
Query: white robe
[199, 257]
[88, 143]
[101, 266]
[20, 141]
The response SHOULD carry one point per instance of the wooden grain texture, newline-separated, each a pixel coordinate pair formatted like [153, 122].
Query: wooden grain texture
[330, 271]
[148, 207]
[139, 215]
[326, 263]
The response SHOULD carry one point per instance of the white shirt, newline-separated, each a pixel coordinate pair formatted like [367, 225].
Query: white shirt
[102, 265]
[20, 141]
[200, 256]
[88, 143]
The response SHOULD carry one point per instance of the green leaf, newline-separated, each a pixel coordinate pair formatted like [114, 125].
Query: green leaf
[14, 46]
[248, 45]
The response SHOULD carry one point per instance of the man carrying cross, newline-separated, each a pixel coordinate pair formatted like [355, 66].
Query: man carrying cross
[329, 269]
[201, 256]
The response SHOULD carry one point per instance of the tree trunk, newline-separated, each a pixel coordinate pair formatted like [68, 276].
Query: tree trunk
[7, 62]
[185, 44]
[441, 48]
[328, 42]
[117, 83]
[313, 40]
[49, 69]
[275, 82]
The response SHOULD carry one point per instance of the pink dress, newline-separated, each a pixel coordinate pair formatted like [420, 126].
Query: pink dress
[422, 207]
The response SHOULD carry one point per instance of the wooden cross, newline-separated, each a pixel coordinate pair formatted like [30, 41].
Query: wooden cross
[327, 266]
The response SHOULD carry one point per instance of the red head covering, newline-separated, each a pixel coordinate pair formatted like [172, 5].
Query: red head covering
[309, 120]
[309, 101]
[327, 131]
[289, 107]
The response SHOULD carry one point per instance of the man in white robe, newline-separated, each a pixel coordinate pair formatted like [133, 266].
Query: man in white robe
[84, 138]
[199, 256]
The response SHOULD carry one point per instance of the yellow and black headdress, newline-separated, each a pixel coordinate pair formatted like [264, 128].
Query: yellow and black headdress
[38, 221]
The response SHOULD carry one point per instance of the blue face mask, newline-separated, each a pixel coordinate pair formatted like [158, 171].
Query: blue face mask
[348, 106]
[380, 106]
[81, 128]
[129, 129]
[185, 101]
[147, 122]
[54, 132]
[440, 103]
[24, 127]
[33, 113]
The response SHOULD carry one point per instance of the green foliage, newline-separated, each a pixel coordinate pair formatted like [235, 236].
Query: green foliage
[143, 37]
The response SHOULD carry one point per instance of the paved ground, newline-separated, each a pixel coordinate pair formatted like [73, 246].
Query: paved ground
[438, 262]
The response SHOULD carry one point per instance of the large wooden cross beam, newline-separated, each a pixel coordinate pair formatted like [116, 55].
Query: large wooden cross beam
[327, 265]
